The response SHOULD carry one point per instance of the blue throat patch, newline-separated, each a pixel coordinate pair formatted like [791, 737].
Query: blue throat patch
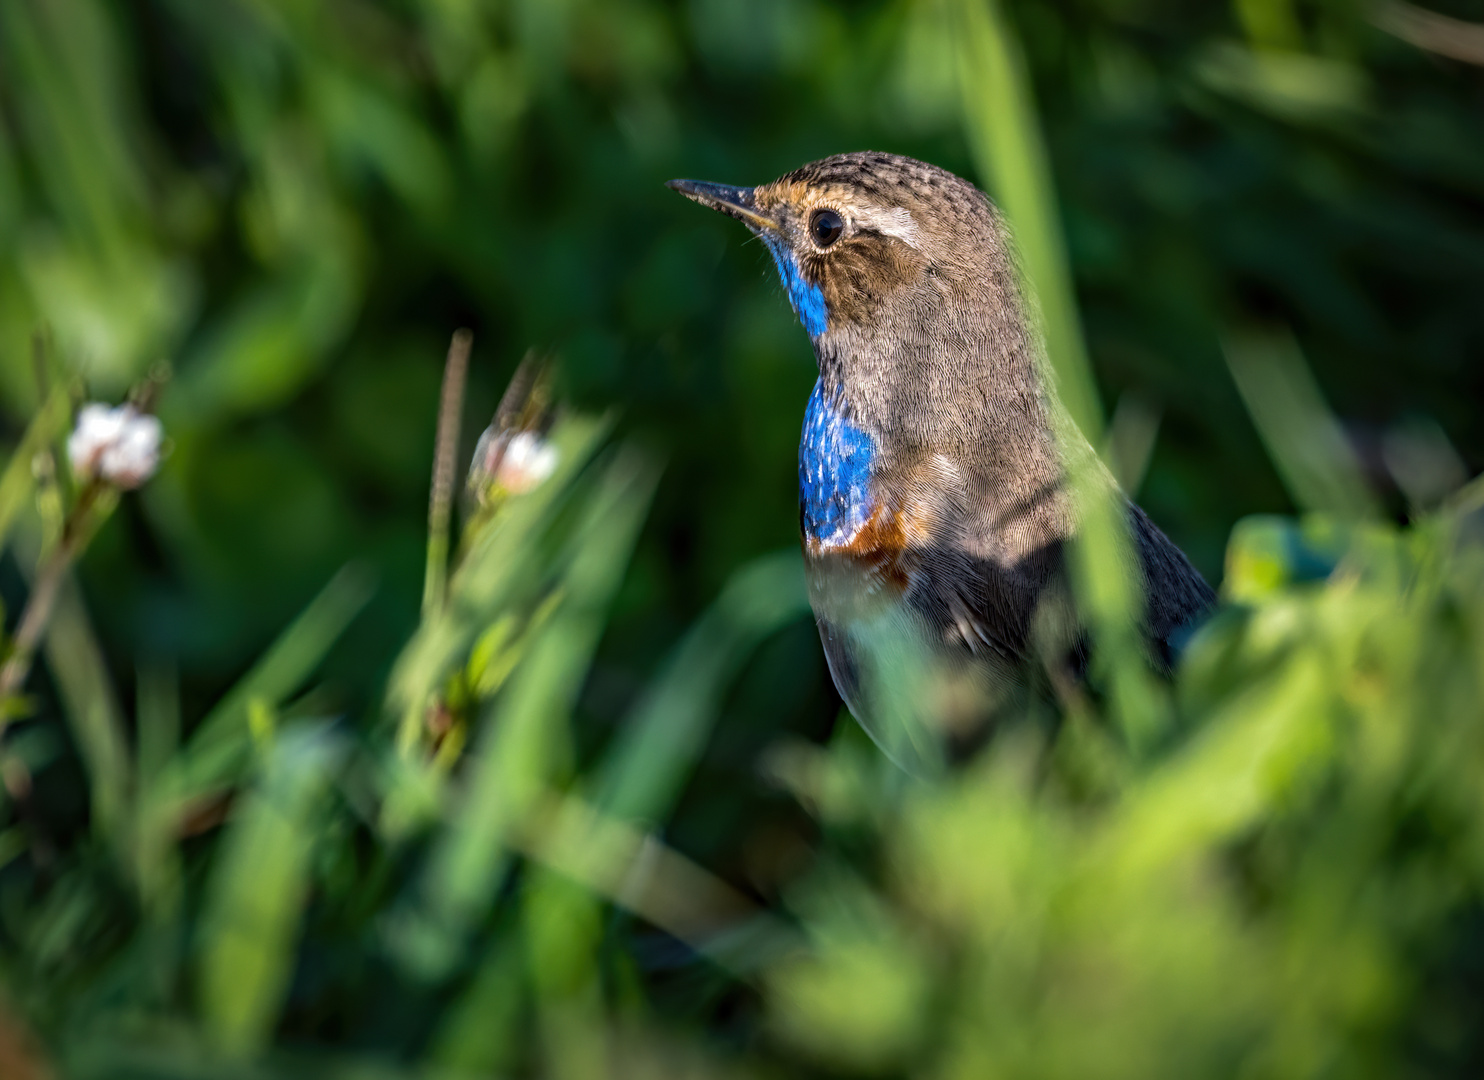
[808, 300]
[835, 460]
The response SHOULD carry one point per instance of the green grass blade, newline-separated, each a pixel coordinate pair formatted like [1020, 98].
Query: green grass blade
[16, 481]
[220, 745]
[1005, 138]
[76, 662]
[667, 728]
[524, 748]
[1303, 438]
[445, 482]
[497, 565]
[1000, 120]
[156, 862]
[258, 890]
[477, 1036]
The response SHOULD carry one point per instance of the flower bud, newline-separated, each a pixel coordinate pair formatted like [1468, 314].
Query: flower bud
[120, 446]
[515, 462]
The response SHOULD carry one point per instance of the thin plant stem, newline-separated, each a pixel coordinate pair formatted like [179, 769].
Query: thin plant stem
[1005, 137]
[440, 503]
[39, 605]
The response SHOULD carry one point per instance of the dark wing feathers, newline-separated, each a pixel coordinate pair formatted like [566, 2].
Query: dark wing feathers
[1177, 595]
[975, 599]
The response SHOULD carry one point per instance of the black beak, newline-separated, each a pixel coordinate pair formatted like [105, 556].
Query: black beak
[737, 202]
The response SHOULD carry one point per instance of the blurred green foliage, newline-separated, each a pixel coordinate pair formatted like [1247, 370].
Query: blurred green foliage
[236, 843]
[1282, 895]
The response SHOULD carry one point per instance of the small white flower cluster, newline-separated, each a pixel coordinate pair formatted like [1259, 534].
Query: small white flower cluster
[529, 460]
[518, 463]
[118, 445]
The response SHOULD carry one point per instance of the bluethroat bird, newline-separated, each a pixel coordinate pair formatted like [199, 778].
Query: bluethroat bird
[933, 493]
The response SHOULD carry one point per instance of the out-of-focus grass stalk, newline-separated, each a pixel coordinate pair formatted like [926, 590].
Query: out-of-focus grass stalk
[524, 739]
[1004, 135]
[445, 479]
[1458, 39]
[87, 165]
[1005, 138]
[54, 615]
[653, 755]
[1467, 500]
[76, 662]
[477, 1035]
[258, 890]
[19, 484]
[563, 932]
[16, 482]
[638, 872]
[499, 561]
[221, 741]
[156, 862]
[64, 542]
[1130, 441]
[1302, 436]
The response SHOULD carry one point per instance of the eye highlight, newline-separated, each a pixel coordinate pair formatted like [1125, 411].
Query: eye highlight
[826, 226]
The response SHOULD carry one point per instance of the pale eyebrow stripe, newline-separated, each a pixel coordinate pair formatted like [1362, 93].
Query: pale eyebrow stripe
[895, 221]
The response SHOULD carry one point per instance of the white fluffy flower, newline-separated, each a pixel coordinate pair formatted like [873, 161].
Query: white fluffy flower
[529, 459]
[517, 463]
[119, 445]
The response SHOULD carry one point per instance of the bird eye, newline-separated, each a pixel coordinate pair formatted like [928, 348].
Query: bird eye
[825, 226]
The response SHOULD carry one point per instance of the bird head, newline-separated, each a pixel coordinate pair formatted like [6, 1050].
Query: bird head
[903, 275]
[858, 237]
